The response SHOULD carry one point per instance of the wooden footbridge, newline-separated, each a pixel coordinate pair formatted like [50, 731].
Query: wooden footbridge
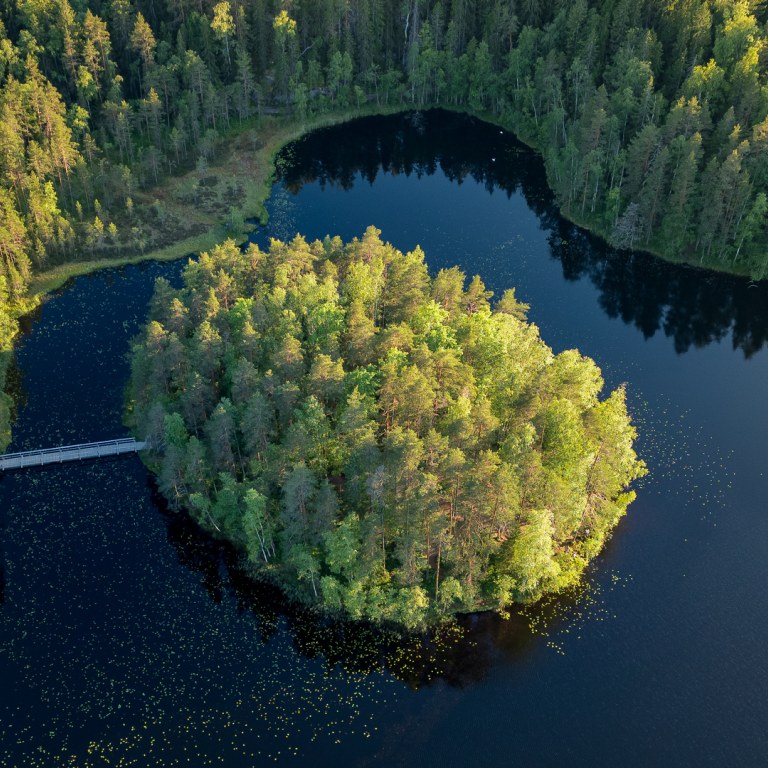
[70, 453]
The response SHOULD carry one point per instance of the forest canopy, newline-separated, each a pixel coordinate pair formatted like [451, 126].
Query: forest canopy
[380, 442]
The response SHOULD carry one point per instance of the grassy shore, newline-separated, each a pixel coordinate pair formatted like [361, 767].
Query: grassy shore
[6, 404]
[196, 210]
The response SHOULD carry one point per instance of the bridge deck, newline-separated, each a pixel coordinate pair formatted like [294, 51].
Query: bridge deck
[70, 453]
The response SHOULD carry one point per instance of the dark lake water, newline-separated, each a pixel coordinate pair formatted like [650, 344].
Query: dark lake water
[129, 638]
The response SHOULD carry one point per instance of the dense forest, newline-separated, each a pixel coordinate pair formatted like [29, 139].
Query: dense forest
[652, 118]
[378, 441]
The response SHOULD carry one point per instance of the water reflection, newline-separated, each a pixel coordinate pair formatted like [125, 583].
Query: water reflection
[14, 383]
[459, 654]
[692, 306]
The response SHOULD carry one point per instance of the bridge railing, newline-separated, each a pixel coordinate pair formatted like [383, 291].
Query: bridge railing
[70, 453]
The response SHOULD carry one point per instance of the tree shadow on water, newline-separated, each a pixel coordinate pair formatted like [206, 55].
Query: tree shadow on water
[459, 653]
[694, 307]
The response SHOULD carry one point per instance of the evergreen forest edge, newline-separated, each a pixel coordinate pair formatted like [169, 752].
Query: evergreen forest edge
[652, 120]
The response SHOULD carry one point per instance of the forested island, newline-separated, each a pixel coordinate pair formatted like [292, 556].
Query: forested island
[379, 442]
[128, 126]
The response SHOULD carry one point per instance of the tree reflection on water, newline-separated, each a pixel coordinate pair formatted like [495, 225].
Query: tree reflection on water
[694, 307]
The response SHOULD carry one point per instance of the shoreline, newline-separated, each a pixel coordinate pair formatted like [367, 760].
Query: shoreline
[281, 131]
[277, 132]
[593, 228]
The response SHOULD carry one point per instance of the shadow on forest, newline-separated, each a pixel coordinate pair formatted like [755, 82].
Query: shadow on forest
[694, 307]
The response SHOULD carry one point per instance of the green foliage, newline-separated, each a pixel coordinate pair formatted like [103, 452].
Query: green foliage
[445, 460]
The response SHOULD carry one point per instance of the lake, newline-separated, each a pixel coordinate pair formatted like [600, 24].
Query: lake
[129, 637]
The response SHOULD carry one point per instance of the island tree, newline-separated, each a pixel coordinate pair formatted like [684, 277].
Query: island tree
[380, 442]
